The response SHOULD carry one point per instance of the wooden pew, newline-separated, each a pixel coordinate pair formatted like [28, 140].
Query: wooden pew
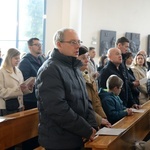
[22, 126]
[18, 127]
[137, 127]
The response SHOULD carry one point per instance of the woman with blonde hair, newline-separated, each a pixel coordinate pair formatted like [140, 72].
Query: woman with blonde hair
[12, 87]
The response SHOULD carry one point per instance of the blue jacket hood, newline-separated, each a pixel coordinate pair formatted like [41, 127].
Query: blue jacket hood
[103, 93]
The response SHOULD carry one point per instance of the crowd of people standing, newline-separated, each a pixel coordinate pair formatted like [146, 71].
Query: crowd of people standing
[74, 97]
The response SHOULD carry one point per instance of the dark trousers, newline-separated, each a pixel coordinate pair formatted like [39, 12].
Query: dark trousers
[30, 144]
[30, 104]
[4, 112]
[11, 148]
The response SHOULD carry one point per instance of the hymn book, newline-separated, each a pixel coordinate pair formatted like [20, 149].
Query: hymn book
[30, 81]
[110, 131]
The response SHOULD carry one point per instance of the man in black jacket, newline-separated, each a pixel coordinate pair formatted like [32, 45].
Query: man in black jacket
[123, 44]
[66, 115]
[29, 66]
[114, 66]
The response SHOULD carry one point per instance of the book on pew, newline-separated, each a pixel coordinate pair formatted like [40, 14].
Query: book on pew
[2, 119]
[110, 131]
[5, 118]
[138, 110]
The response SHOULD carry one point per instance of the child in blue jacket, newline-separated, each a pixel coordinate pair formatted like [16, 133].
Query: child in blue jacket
[111, 102]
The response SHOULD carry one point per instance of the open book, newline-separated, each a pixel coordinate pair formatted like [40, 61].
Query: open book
[110, 131]
[138, 110]
[30, 81]
[143, 80]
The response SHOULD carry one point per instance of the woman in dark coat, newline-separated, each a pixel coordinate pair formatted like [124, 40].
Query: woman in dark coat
[133, 83]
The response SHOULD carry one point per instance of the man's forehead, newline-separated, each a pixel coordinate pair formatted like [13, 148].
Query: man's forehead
[71, 34]
[125, 44]
[115, 50]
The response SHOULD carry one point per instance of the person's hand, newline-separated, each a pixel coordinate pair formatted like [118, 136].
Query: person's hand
[92, 135]
[30, 86]
[129, 111]
[106, 123]
[95, 75]
[136, 83]
[23, 87]
[136, 106]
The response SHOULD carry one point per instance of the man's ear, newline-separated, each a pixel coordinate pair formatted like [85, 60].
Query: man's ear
[58, 45]
[119, 45]
[29, 47]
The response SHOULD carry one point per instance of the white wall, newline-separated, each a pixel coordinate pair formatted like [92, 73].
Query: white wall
[117, 15]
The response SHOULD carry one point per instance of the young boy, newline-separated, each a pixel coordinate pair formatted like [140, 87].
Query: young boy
[111, 103]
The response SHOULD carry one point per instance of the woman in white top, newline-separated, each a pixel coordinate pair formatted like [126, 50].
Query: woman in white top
[140, 71]
[11, 83]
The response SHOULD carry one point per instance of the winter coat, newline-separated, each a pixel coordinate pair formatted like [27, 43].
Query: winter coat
[66, 114]
[113, 106]
[93, 96]
[140, 73]
[10, 87]
[125, 94]
[29, 67]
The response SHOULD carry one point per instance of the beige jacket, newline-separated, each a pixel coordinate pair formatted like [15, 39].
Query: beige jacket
[140, 73]
[10, 86]
[93, 96]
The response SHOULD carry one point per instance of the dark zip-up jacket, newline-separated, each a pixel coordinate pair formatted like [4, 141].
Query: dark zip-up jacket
[29, 67]
[65, 112]
[125, 94]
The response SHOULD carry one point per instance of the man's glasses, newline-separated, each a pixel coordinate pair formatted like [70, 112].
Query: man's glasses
[38, 45]
[73, 42]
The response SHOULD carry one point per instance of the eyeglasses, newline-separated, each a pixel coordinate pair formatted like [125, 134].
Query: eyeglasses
[73, 42]
[85, 57]
[38, 45]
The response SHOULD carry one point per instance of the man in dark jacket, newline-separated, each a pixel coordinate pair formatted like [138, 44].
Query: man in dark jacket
[123, 44]
[66, 115]
[29, 67]
[114, 67]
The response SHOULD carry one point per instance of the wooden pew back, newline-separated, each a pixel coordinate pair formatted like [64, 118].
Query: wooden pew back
[23, 125]
[137, 127]
[18, 127]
